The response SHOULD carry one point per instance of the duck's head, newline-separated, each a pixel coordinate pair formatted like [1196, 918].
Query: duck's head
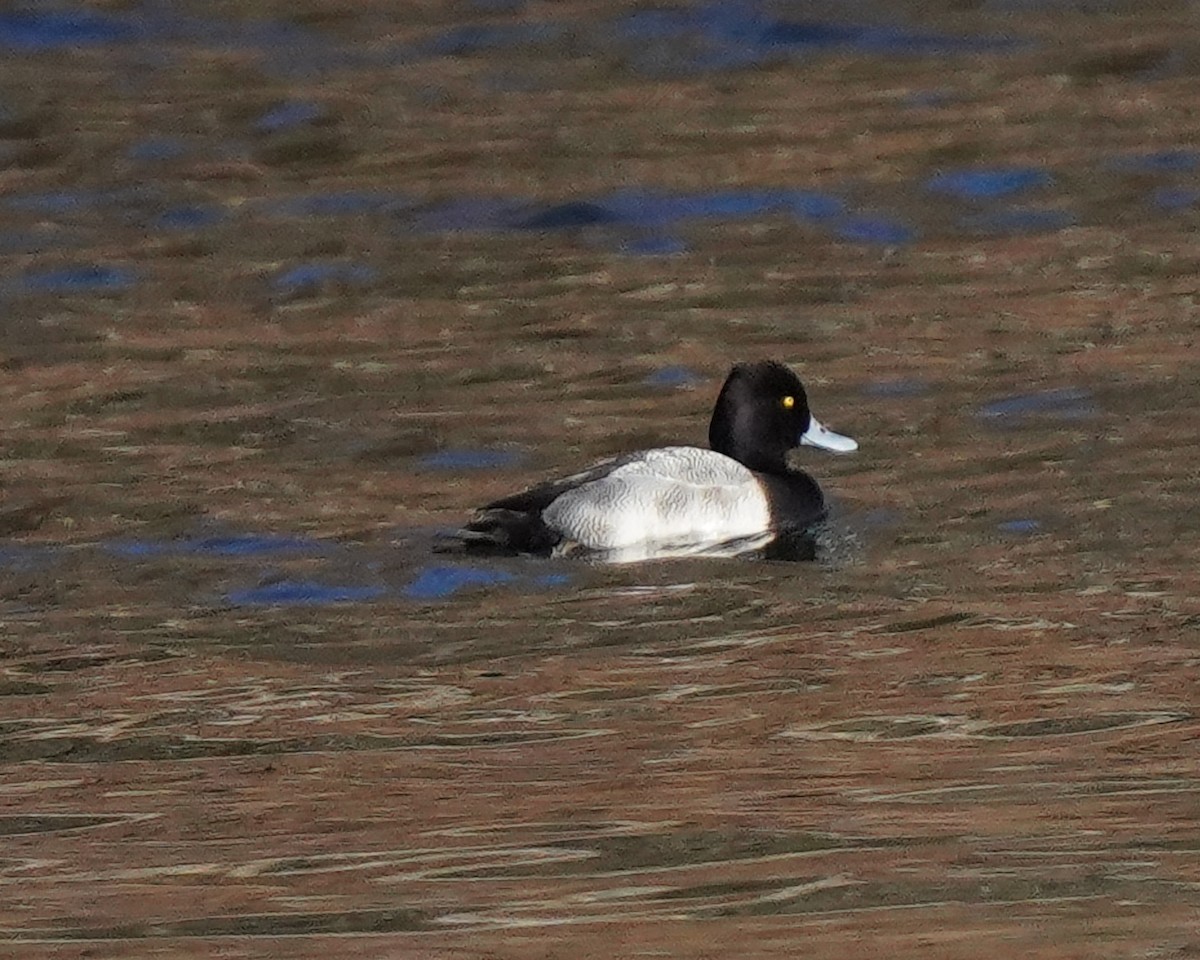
[762, 414]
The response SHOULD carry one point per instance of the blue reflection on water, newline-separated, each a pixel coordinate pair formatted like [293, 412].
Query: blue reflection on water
[471, 213]
[348, 203]
[21, 556]
[880, 518]
[30, 241]
[437, 583]
[658, 245]
[28, 30]
[641, 208]
[188, 218]
[81, 278]
[239, 545]
[988, 184]
[729, 34]
[709, 37]
[293, 113]
[443, 581]
[282, 46]
[568, 216]
[739, 22]
[813, 34]
[156, 149]
[657, 209]
[287, 593]
[1022, 526]
[1175, 198]
[875, 230]
[928, 98]
[674, 376]
[56, 201]
[310, 277]
[475, 38]
[1019, 220]
[1062, 403]
[656, 24]
[1159, 161]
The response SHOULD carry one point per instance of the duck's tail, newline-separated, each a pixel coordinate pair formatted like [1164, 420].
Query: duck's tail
[496, 530]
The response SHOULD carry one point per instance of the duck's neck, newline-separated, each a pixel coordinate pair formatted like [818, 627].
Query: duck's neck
[755, 456]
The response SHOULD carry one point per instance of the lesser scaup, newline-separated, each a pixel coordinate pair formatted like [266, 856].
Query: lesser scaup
[677, 500]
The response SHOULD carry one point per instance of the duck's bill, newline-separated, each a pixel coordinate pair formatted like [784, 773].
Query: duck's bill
[819, 435]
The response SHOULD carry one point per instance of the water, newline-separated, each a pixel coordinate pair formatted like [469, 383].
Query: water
[230, 545]
[1064, 403]
[294, 113]
[989, 184]
[647, 220]
[79, 279]
[35, 31]
[307, 278]
[672, 376]
[290, 292]
[465, 459]
[188, 218]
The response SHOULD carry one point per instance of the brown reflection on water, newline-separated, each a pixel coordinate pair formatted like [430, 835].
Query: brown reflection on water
[958, 738]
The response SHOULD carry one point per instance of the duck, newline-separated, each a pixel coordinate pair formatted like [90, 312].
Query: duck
[740, 494]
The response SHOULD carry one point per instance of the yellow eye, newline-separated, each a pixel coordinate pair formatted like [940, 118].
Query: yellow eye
[788, 403]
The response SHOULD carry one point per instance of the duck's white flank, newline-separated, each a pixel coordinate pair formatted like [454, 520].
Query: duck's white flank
[668, 495]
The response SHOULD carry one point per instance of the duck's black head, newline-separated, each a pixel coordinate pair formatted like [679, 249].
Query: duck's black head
[762, 413]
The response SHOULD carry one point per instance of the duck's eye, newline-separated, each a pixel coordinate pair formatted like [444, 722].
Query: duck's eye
[788, 402]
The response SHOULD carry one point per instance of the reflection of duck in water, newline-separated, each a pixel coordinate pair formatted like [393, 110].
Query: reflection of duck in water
[673, 501]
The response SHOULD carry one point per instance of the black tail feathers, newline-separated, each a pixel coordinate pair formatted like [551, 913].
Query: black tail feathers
[497, 530]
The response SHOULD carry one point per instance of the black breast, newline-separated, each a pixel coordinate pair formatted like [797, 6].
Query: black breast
[795, 500]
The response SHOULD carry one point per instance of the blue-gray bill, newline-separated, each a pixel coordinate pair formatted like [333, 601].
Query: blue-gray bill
[819, 435]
